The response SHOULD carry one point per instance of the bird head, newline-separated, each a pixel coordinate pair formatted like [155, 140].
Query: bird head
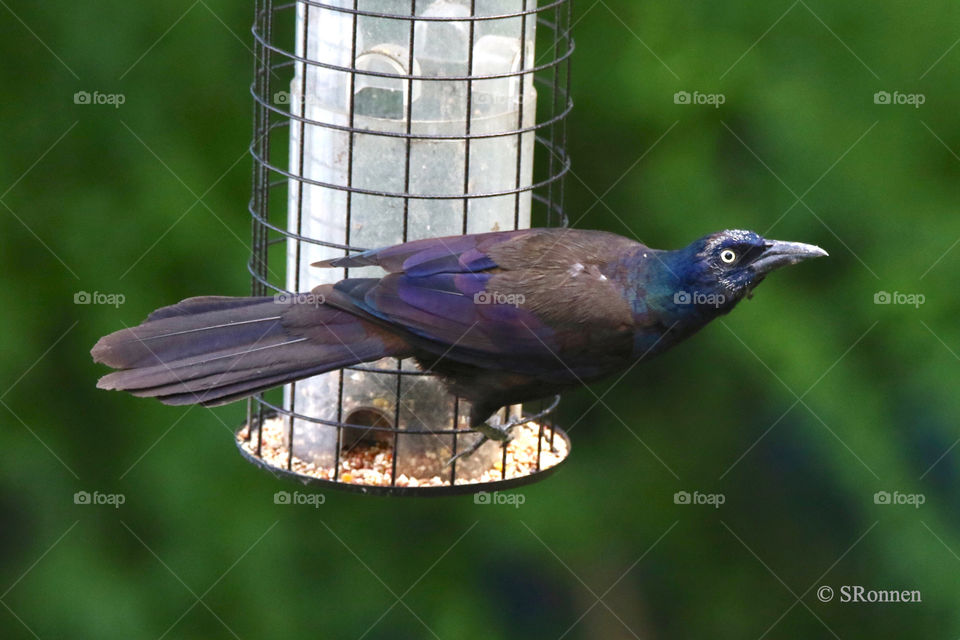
[718, 270]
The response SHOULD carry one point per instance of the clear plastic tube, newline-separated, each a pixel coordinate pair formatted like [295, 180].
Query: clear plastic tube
[382, 163]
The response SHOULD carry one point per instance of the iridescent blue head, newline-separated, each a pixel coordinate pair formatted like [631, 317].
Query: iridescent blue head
[715, 272]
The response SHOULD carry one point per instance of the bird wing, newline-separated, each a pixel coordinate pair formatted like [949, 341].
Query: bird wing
[448, 309]
[498, 299]
[452, 254]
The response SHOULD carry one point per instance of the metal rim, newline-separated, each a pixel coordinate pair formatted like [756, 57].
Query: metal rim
[289, 116]
[554, 4]
[396, 491]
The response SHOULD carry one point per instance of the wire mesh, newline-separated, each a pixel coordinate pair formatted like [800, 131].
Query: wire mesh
[538, 82]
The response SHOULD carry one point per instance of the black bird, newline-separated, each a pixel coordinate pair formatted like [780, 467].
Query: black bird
[502, 317]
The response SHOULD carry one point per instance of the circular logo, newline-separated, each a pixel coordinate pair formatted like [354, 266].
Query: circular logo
[825, 593]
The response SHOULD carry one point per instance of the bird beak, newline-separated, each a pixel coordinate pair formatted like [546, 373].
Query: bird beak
[780, 254]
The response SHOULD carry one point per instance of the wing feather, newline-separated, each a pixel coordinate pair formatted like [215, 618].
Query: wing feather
[498, 298]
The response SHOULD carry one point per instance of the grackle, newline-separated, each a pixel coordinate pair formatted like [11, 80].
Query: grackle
[503, 317]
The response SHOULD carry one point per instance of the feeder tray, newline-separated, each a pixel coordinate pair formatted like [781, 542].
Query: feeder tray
[368, 464]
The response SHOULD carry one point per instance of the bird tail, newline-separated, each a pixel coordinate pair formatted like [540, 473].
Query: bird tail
[212, 350]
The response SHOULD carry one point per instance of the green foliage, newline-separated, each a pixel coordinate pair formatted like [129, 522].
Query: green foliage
[798, 150]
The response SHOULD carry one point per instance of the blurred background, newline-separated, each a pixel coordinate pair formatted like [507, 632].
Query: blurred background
[797, 409]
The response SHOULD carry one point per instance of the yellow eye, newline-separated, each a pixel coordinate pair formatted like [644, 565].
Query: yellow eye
[728, 256]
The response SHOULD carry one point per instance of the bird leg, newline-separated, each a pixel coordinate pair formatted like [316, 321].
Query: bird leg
[489, 430]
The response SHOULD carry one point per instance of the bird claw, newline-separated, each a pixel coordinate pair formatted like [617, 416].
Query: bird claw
[489, 430]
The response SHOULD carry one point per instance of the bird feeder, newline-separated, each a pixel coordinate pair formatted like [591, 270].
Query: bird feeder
[379, 122]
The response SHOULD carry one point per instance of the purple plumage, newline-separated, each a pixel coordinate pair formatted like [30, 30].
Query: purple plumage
[503, 317]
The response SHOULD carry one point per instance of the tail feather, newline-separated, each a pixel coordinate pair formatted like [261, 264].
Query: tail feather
[193, 327]
[213, 350]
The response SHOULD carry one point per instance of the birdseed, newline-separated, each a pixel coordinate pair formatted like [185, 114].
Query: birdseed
[371, 463]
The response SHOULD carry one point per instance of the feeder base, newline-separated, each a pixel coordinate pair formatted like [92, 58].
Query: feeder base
[367, 467]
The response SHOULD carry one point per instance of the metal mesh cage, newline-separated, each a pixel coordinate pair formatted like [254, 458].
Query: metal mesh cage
[383, 121]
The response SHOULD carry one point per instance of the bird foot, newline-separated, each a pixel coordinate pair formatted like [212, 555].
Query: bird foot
[489, 430]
